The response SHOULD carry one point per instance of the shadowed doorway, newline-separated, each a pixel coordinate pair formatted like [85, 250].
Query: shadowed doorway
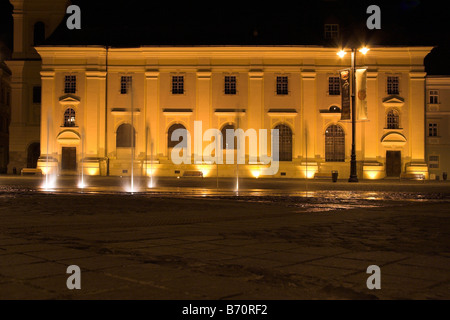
[393, 163]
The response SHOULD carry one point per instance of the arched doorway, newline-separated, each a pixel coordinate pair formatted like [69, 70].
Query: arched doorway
[125, 136]
[226, 145]
[334, 144]
[284, 142]
[183, 138]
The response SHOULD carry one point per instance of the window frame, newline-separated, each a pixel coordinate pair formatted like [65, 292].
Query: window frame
[125, 84]
[282, 87]
[331, 152]
[177, 86]
[70, 118]
[433, 129]
[435, 95]
[332, 85]
[223, 131]
[434, 164]
[285, 154]
[391, 85]
[230, 87]
[70, 84]
[329, 33]
[126, 143]
[395, 124]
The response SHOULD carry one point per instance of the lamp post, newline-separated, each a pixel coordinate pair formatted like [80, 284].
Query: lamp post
[353, 172]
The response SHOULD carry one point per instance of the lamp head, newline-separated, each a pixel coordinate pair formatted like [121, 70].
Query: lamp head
[364, 50]
[341, 53]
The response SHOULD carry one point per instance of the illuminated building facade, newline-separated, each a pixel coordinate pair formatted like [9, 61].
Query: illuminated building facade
[437, 128]
[95, 99]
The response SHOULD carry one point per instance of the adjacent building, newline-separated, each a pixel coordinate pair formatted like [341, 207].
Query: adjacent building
[438, 126]
[34, 21]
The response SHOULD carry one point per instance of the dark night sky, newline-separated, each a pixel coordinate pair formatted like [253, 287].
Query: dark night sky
[403, 22]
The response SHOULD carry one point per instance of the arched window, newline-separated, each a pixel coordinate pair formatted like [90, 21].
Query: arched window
[334, 144]
[183, 139]
[69, 118]
[226, 144]
[393, 119]
[39, 33]
[125, 136]
[284, 142]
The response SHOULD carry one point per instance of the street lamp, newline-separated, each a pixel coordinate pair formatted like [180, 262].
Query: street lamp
[341, 54]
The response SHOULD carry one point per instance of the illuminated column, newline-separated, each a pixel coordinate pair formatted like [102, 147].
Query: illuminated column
[309, 115]
[255, 99]
[204, 102]
[152, 111]
[371, 139]
[94, 112]
[417, 116]
[48, 113]
[18, 27]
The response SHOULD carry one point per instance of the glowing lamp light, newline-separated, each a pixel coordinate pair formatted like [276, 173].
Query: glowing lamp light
[205, 172]
[256, 173]
[92, 171]
[364, 50]
[310, 174]
[341, 53]
[372, 175]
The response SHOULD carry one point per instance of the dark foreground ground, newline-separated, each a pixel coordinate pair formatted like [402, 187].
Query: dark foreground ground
[211, 245]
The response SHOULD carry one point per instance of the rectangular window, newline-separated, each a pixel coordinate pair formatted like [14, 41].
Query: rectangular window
[125, 84]
[230, 84]
[334, 86]
[177, 84]
[282, 85]
[331, 31]
[37, 94]
[433, 162]
[432, 129]
[393, 85]
[434, 96]
[70, 84]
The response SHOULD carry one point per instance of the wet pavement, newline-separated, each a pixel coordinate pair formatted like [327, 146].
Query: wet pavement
[188, 239]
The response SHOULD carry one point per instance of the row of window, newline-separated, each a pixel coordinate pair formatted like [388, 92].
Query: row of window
[334, 140]
[230, 85]
[392, 121]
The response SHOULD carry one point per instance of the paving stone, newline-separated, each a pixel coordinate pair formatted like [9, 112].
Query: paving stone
[19, 291]
[33, 270]
[61, 254]
[288, 257]
[91, 282]
[377, 257]
[14, 259]
[97, 262]
[337, 262]
[209, 255]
